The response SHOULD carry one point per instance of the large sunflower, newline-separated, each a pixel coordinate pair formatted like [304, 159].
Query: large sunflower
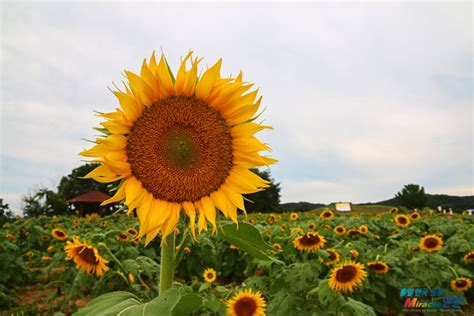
[86, 257]
[181, 144]
[246, 303]
[310, 242]
[431, 243]
[347, 276]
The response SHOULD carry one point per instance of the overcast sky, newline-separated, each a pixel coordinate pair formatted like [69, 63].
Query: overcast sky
[363, 97]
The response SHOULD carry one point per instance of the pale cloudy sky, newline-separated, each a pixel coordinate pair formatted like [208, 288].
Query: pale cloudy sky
[364, 96]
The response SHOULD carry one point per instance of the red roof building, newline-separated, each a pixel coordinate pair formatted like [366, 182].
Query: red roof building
[89, 203]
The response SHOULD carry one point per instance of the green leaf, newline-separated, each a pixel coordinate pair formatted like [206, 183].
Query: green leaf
[247, 238]
[204, 287]
[103, 302]
[358, 308]
[187, 304]
[165, 303]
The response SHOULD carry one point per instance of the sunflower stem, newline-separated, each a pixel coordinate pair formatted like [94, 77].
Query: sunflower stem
[167, 263]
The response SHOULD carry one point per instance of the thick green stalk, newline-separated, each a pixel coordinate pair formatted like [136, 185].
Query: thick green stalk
[167, 263]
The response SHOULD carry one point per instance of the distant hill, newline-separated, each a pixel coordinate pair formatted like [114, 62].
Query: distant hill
[434, 200]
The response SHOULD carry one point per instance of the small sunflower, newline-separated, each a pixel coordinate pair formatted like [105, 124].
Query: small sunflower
[393, 210]
[431, 243]
[353, 233]
[30, 254]
[104, 224]
[327, 215]
[414, 216]
[44, 237]
[246, 303]
[402, 220]
[283, 227]
[122, 237]
[276, 246]
[340, 230]
[187, 250]
[50, 249]
[310, 242]
[131, 277]
[209, 275]
[334, 256]
[86, 257]
[311, 226]
[469, 257]
[46, 258]
[354, 253]
[347, 276]
[181, 143]
[132, 232]
[10, 236]
[293, 216]
[378, 266]
[59, 234]
[271, 219]
[232, 247]
[461, 284]
[76, 222]
[363, 229]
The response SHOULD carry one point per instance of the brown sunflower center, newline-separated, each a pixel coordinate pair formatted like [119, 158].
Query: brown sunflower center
[246, 306]
[180, 149]
[332, 255]
[431, 242]
[377, 266]
[402, 220]
[326, 214]
[210, 275]
[88, 255]
[346, 274]
[59, 233]
[340, 230]
[470, 255]
[461, 283]
[310, 240]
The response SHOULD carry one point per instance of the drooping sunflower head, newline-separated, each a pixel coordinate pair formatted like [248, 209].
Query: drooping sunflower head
[431, 243]
[363, 229]
[327, 215]
[209, 275]
[340, 230]
[86, 257]
[246, 303]
[59, 234]
[378, 266]
[334, 256]
[402, 220]
[293, 216]
[184, 143]
[10, 236]
[393, 210]
[309, 242]
[354, 253]
[461, 284]
[347, 276]
[469, 257]
[414, 216]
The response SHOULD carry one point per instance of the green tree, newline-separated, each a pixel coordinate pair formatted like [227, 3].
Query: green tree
[5, 213]
[44, 202]
[412, 196]
[74, 185]
[266, 201]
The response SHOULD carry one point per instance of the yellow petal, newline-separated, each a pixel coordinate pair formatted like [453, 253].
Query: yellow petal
[249, 144]
[242, 114]
[118, 196]
[99, 150]
[116, 127]
[208, 80]
[133, 191]
[170, 224]
[191, 212]
[209, 211]
[202, 224]
[140, 88]
[247, 129]
[233, 196]
[114, 142]
[166, 86]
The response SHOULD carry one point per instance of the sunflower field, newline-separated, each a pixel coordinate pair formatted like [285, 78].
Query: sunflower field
[312, 263]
